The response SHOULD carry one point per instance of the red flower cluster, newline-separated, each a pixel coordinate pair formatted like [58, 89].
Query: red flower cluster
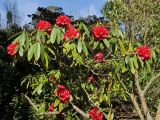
[98, 57]
[11, 49]
[44, 26]
[63, 21]
[100, 32]
[143, 52]
[63, 93]
[51, 108]
[71, 33]
[95, 114]
[91, 79]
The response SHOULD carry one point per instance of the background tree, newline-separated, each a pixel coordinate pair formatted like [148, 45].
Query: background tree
[139, 17]
[12, 13]
[50, 14]
[140, 20]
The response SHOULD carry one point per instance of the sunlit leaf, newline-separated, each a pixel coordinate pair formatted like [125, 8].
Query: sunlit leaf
[122, 48]
[37, 51]
[53, 35]
[56, 103]
[79, 46]
[135, 62]
[21, 51]
[96, 43]
[106, 42]
[86, 29]
[131, 65]
[30, 52]
[84, 48]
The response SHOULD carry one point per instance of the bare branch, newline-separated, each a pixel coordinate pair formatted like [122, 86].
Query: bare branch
[80, 111]
[142, 98]
[135, 103]
[30, 102]
[150, 82]
[158, 113]
[49, 113]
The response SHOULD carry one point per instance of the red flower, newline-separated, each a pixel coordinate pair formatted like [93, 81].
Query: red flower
[11, 49]
[63, 93]
[100, 32]
[51, 108]
[71, 33]
[63, 21]
[91, 79]
[143, 52]
[44, 26]
[95, 114]
[98, 57]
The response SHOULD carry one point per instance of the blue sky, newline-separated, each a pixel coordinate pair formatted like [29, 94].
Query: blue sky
[76, 8]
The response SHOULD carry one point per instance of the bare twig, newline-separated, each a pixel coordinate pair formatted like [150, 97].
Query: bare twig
[49, 113]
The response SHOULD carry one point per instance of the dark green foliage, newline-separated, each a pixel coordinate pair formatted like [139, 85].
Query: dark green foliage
[50, 14]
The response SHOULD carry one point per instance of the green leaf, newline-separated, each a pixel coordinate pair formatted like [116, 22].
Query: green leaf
[58, 36]
[22, 39]
[95, 44]
[51, 51]
[37, 51]
[53, 35]
[30, 52]
[131, 65]
[142, 63]
[122, 47]
[101, 46]
[38, 89]
[106, 42]
[21, 51]
[135, 62]
[148, 66]
[153, 54]
[46, 59]
[126, 59]
[60, 107]
[79, 46]
[86, 30]
[38, 35]
[42, 108]
[110, 116]
[42, 53]
[124, 69]
[56, 103]
[67, 47]
[84, 48]
[130, 49]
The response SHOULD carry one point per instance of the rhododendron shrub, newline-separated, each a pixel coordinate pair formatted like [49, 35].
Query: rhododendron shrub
[83, 70]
